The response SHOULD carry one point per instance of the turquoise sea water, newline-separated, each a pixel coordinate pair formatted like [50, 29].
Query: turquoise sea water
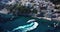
[21, 20]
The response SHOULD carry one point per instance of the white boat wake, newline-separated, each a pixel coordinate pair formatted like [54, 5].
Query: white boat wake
[27, 27]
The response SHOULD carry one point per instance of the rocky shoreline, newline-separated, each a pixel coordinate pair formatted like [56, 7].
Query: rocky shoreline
[50, 19]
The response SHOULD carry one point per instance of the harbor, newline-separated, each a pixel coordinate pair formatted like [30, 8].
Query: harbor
[29, 16]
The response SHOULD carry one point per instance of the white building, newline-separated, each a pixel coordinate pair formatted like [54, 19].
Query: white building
[9, 2]
[4, 11]
[23, 2]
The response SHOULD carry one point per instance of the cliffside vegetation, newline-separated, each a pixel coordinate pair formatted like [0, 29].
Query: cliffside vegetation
[19, 9]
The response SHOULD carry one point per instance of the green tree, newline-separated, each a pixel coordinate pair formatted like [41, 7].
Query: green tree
[17, 8]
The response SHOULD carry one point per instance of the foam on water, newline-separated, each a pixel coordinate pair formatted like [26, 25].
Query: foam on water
[27, 27]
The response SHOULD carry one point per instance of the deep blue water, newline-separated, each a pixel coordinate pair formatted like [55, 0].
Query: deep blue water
[21, 20]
